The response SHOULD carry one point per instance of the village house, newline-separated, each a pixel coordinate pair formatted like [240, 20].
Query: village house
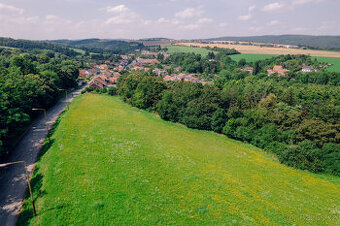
[159, 72]
[94, 71]
[124, 57]
[249, 69]
[169, 78]
[149, 53]
[84, 73]
[279, 70]
[106, 79]
[147, 61]
[207, 83]
[139, 68]
[306, 69]
[103, 67]
[97, 83]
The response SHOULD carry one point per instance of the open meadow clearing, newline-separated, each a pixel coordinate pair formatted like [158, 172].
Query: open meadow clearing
[331, 60]
[108, 163]
[266, 50]
[187, 49]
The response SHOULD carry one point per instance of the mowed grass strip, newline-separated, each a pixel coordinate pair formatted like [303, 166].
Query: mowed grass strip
[109, 163]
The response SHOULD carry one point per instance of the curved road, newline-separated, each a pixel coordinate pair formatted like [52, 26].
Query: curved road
[12, 178]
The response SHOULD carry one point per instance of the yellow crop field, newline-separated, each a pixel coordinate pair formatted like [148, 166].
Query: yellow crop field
[265, 50]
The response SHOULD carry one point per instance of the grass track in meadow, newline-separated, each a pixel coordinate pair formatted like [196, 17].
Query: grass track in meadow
[111, 163]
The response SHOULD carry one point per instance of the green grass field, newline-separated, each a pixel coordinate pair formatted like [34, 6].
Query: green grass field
[187, 49]
[108, 163]
[251, 57]
[331, 60]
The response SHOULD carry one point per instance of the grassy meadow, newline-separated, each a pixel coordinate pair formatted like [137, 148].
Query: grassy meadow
[108, 163]
[187, 49]
[331, 60]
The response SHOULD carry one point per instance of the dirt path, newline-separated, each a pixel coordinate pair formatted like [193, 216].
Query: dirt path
[12, 178]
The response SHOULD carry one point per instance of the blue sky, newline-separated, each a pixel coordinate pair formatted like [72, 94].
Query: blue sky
[134, 19]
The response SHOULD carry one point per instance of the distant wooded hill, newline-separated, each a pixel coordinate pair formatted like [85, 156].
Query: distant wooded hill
[36, 45]
[309, 41]
[100, 45]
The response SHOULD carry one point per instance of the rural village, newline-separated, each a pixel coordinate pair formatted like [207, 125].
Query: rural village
[106, 75]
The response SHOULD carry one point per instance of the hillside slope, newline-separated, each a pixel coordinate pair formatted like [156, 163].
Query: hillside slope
[108, 162]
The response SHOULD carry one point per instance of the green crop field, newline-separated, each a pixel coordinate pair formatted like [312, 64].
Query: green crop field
[331, 60]
[251, 57]
[187, 49]
[108, 163]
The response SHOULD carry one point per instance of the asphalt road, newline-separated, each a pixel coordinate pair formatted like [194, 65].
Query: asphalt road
[12, 178]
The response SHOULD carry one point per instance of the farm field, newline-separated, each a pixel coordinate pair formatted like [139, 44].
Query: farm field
[251, 57]
[187, 49]
[108, 163]
[267, 50]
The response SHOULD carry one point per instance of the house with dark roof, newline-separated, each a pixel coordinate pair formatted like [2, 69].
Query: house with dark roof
[306, 69]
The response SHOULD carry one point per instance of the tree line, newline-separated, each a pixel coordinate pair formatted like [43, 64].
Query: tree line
[295, 121]
[37, 45]
[29, 81]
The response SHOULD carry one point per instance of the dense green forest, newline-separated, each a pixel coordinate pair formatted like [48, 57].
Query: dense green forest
[309, 41]
[37, 45]
[30, 79]
[296, 118]
[101, 45]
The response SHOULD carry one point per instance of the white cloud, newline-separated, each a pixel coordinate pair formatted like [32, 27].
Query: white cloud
[10, 8]
[251, 8]
[117, 9]
[162, 20]
[223, 24]
[245, 17]
[273, 6]
[304, 2]
[189, 13]
[204, 20]
[300, 2]
[249, 15]
[122, 15]
[273, 23]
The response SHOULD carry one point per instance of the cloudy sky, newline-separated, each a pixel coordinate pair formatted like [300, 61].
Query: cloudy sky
[133, 19]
